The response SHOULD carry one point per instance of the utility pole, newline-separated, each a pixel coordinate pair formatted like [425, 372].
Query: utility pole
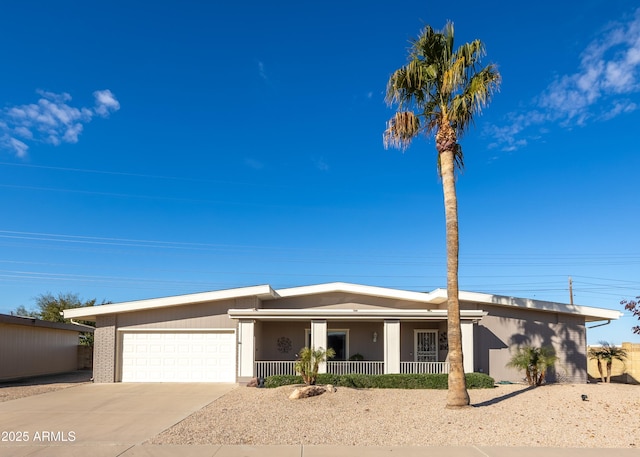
[570, 290]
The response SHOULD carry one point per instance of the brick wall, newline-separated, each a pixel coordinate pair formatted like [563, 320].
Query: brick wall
[104, 354]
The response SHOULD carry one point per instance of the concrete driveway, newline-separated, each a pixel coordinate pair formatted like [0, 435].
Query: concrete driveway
[101, 416]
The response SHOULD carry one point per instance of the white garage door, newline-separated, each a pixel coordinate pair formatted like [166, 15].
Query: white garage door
[178, 357]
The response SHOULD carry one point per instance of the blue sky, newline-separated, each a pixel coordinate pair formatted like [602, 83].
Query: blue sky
[153, 150]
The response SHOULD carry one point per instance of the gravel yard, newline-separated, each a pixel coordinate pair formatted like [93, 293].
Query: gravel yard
[509, 415]
[41, 384]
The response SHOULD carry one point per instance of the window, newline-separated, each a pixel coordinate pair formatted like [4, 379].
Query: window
[338, 340]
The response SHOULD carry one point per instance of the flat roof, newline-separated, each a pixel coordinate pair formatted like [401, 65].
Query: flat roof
[33, 322]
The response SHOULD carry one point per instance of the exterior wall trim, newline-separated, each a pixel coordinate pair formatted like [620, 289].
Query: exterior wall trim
[176, 330]
[350, 314]
[91, 312]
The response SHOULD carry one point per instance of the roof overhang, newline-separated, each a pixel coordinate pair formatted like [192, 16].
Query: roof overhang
[590, 313]
[351, 314]
[265, 292]
[90, 313]
[337, 287]
[33, 322]
[439, 296]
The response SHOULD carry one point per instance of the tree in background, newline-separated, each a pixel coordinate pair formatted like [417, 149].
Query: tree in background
[595, 353]
[439, 91]
[607, 353]
[50, 307]
[634, 307]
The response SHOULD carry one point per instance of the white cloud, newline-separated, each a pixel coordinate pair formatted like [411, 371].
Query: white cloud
[609, 68]
[51, 120]
[105, 102]
[17, 146]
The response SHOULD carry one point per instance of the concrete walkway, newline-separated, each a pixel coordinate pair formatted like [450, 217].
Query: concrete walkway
[79, 450]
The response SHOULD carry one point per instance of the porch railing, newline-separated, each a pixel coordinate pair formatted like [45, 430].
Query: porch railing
[424, 367]
[272, 368]
[336, 367]
[264, 369]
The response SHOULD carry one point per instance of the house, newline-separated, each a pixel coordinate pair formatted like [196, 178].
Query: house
[236, 334]
[33, 347]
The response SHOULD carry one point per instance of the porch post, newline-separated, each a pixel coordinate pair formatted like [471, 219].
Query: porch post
[467, 345]
[247, 351]
[319, 339]
[391, 346]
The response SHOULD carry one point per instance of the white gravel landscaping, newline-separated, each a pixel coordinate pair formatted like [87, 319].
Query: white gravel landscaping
[509, 415]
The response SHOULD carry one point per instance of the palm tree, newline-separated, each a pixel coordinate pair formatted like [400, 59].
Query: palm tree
[534, 362]
[597, 353]
[439, 91]
[609, 352]
[309, 361]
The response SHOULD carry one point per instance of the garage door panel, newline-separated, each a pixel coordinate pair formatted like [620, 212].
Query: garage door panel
[178, 357]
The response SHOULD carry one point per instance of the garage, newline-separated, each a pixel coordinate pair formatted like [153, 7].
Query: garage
[179, 356]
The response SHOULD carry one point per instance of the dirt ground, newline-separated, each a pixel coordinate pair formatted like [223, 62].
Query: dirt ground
[11, 390]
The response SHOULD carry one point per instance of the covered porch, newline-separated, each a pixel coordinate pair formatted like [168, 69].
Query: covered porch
[366, 341]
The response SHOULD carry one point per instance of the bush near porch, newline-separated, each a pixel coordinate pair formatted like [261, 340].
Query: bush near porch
[386, 381]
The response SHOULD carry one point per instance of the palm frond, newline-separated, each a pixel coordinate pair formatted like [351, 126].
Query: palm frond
[476, 95]
[441, 86]
[402, 128]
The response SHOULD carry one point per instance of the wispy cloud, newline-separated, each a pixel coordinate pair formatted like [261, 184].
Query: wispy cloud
[608, 74]
[51, 120]
[261, 71]
[253, 163]
[321, 164]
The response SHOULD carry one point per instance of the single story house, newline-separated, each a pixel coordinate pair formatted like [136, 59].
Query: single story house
[33, 347]
[235, 334]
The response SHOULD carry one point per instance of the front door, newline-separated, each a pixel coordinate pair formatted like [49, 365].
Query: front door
[426, 345]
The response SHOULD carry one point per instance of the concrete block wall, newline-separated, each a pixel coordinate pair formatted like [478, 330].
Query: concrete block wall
[104, 356]
[627, 371]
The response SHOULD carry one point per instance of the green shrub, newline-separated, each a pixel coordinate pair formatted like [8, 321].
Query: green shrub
[479, 381]
[282, 380]
[386, 381]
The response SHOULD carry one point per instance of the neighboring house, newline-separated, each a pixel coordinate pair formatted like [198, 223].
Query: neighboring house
[236, 334]
[33, 347]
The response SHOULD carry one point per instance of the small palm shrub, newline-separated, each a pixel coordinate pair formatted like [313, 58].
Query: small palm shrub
[308, 361]
[534, 361]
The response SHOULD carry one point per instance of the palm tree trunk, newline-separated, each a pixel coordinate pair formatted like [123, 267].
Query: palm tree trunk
[457, 395]
[609, 363]
[600, 370]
